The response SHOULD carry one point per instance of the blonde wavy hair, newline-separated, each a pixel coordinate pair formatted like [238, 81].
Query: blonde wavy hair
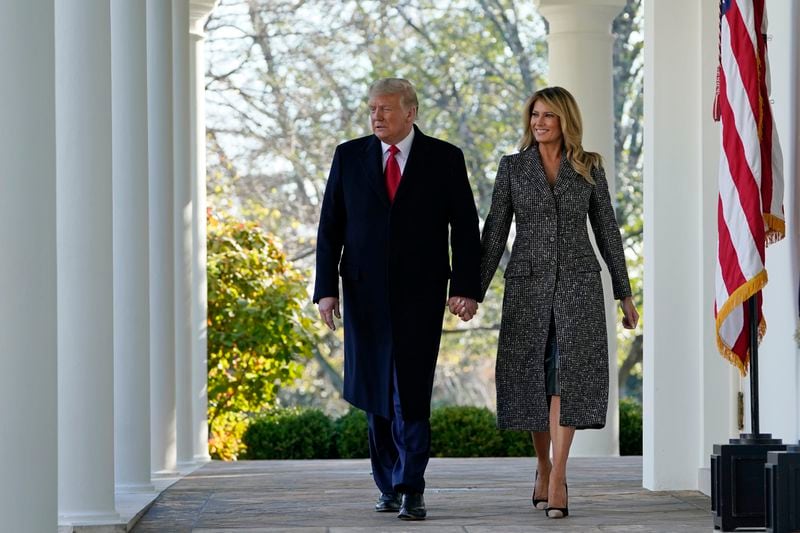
[565, 107]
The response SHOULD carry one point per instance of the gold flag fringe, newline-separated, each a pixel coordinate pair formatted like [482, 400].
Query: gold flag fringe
[739, 297]
[774, 228]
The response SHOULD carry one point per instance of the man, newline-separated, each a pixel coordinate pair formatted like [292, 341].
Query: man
[392, 201]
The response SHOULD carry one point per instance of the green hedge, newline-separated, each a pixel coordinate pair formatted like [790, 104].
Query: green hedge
[351, 438]
[290, 434]
[518, 443]
[630, 427]
[457, 431]
[460, 431]
[463, 431]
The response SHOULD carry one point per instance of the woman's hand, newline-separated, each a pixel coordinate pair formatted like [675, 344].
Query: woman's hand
[631, 315]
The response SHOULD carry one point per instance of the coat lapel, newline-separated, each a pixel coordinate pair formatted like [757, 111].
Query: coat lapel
[533, 169]
[415, 165]
[373, 166]
[566, 177]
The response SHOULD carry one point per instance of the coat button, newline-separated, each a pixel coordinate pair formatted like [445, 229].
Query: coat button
[552, 239]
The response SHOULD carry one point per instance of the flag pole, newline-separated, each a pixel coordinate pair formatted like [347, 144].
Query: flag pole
[752, 306]
[738, 467]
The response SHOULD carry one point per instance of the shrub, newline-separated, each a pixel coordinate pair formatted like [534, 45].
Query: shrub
[464, 431]
[290, 434]
[351, 435]
[257, 334]
[457, 431]
[630, 427]
[225, 435]
[517, 444]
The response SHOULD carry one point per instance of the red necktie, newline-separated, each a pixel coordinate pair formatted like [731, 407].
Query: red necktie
[392, 173]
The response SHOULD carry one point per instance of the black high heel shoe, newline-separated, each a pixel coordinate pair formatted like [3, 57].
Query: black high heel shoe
[536, 502]
[558, 512]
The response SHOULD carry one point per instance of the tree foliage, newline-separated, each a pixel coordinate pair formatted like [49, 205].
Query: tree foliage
[286, 85]
[257, 336]
[628, 131]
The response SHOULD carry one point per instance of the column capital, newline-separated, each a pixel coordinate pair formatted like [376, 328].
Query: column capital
[588, 16]
[199, 10]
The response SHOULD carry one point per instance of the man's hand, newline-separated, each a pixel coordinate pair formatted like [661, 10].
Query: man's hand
[464, 307]
[328, 307]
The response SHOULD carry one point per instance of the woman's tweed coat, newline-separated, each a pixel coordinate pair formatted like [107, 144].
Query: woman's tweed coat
[553, 269]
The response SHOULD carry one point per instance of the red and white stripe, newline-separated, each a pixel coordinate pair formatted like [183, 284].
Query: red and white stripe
[750, 207]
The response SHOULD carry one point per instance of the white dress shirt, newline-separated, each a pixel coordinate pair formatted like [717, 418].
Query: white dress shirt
[402, 156]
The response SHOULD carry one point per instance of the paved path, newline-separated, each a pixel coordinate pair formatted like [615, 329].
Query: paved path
[463, 496]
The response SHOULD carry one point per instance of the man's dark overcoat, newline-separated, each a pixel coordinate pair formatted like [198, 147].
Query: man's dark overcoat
[553, 270]
[394, 260]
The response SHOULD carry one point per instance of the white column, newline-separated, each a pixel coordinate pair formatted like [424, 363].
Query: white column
[778, 360]
[160, 160]
[580, 60]
[718, 383]
[182, 220]
[199, 280]
[84, 248]
[689, 390]
[131, 297]
[28, 494]
[792, 169]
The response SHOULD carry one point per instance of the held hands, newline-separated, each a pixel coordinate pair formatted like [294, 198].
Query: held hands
[328, 307]
[631, 316]
[464, 307]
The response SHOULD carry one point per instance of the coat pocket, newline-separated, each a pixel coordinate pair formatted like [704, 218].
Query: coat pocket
[518, 269]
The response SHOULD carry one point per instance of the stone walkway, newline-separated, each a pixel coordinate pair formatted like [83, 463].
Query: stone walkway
[463, 496]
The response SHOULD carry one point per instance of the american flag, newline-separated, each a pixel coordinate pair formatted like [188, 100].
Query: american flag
[750, 206]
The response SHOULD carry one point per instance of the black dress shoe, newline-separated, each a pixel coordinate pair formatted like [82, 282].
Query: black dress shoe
[413, 507]
[558, 512]
[537, 503]
[388, 503]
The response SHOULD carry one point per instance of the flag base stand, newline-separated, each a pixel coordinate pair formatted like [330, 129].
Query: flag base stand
[783, 487]
[737, 480]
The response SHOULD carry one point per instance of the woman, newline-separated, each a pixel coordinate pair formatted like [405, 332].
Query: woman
[552, 358]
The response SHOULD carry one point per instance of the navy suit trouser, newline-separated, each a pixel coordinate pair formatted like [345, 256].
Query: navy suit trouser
[398, 449]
